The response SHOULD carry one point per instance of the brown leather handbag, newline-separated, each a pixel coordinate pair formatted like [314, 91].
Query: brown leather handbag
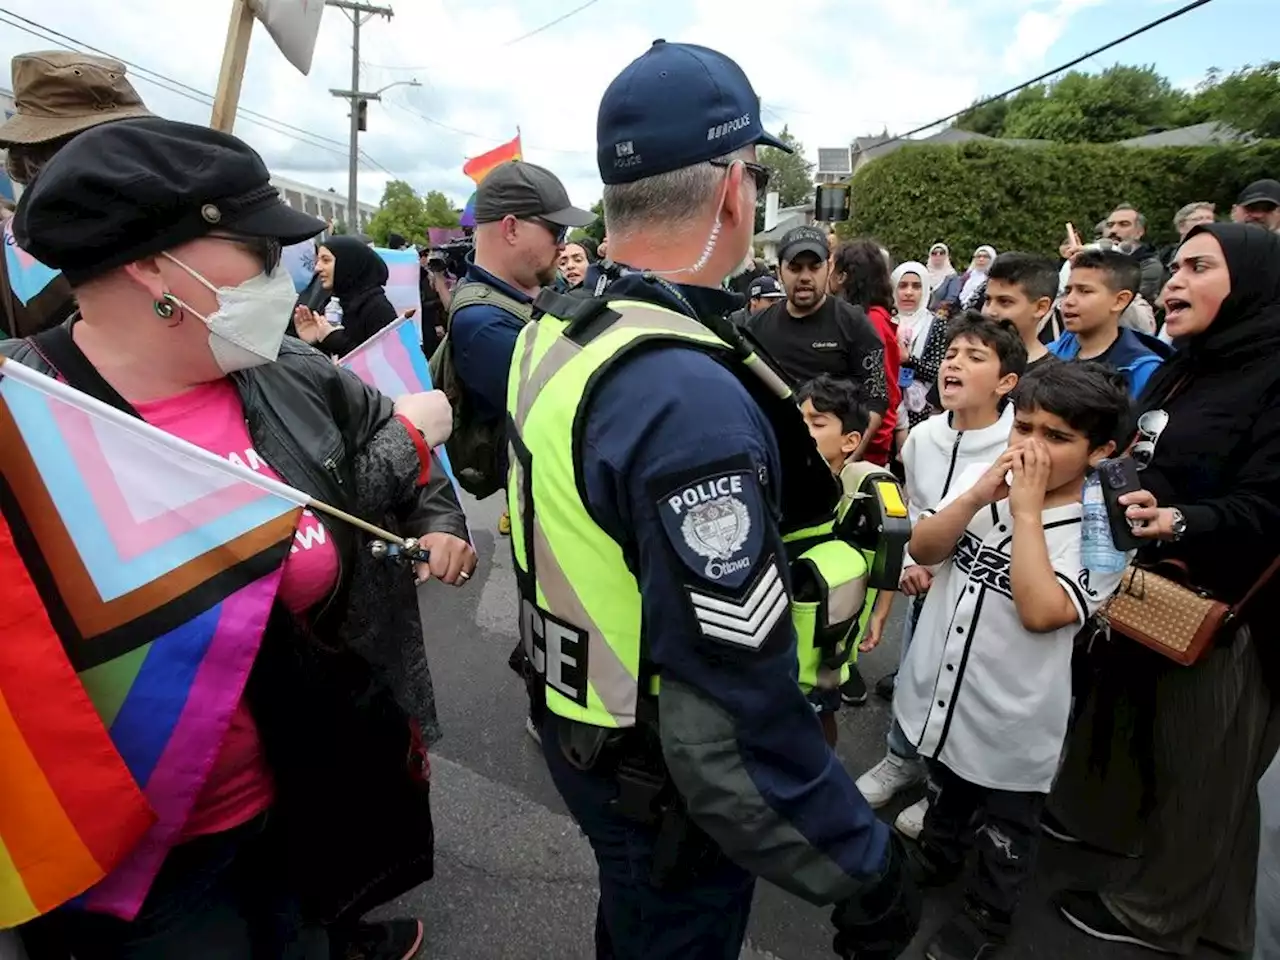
[1157, 606]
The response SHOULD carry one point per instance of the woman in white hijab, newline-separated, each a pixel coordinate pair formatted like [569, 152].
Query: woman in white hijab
[922, 337]
[976, 275]
[940, 265]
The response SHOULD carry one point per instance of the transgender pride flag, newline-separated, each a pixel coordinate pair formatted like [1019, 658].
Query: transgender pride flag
[392, 362]
[139, 573]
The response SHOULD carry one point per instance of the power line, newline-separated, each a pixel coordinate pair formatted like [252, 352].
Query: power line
[1174, 15]
[547, 26]
[471, 133]
[305, 137]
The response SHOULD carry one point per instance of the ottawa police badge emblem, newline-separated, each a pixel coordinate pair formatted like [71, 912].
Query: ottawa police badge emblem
[718, 528]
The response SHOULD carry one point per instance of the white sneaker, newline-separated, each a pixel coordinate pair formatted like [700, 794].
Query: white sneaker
[889, 777]
[911, 820]
[532, 731]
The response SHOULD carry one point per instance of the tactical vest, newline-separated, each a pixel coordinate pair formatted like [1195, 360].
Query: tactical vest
[580, 606]
[838, 569]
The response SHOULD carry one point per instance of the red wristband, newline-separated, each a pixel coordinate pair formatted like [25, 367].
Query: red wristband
[419, 444]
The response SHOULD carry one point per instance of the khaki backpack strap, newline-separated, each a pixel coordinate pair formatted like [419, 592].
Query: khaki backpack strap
[473, 292]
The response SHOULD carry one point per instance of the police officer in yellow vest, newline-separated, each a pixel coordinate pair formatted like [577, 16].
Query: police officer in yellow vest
[655, 466]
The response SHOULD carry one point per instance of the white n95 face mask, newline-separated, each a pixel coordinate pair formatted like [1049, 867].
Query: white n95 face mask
[249, 325]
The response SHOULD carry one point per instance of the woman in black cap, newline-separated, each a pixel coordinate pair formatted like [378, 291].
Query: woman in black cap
[357, 276]
[170, 235]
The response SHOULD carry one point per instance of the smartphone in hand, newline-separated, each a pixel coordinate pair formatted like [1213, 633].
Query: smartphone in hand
[1119, 476]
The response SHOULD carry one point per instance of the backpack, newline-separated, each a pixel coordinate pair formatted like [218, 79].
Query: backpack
[475, 447]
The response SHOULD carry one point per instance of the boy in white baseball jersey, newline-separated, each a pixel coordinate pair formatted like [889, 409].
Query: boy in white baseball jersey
[986, 688]
[984, 359]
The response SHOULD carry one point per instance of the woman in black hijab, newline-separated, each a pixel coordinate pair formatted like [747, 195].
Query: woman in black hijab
[356, 275]
[1165, 759]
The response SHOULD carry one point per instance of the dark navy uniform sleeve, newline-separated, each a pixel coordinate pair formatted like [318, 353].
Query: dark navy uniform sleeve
[681, 467]
[484, 340]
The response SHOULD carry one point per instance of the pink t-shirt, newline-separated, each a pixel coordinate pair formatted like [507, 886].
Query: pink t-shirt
[211, 416]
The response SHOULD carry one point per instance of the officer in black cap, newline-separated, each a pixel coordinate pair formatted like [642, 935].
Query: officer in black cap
[170, 235]
[651, 525]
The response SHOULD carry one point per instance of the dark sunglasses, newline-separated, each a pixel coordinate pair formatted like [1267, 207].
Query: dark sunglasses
[556, 230]
[758, 172]
[266, 249]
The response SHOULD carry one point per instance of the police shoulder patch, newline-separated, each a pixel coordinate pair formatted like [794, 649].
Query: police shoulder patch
[716, 523]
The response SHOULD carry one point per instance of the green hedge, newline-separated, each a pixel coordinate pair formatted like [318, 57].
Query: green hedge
[1020, 198]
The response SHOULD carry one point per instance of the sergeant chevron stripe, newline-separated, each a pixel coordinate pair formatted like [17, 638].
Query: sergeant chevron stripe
[749, 622]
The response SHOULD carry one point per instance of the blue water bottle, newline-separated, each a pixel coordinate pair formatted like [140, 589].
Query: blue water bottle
[1098, 551]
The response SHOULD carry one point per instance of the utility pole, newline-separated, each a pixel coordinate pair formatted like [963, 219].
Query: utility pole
[358, 14]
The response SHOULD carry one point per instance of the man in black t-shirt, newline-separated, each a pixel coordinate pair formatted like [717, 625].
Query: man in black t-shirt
[812, 333]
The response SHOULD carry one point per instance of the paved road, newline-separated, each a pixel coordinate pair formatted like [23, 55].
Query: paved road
[514, 878]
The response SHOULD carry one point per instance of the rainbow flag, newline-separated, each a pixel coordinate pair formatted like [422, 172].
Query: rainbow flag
[392, 362]
[468, 218]
[139, 573]
[477, 168]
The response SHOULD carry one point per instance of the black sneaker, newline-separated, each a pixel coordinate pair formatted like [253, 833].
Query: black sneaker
[962, 938]
[388, 940]
[1085, 911]
[886, 685]
[854, 690]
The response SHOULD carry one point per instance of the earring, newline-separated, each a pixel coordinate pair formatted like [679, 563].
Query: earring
[164, 308]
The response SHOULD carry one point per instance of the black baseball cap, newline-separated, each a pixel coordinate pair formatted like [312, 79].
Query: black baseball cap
[765, 288]
[677, 105]
[1260, 191]
[524, 190]
[130, 189]
[803, 240]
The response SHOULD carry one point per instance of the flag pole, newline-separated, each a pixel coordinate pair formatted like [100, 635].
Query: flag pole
[234, 56]
[355, 521]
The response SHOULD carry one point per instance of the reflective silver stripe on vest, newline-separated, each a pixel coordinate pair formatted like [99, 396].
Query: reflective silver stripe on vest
[844, 602]
[612, 682]
[532, 381]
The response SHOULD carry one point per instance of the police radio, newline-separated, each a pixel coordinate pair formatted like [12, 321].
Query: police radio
[872, 516]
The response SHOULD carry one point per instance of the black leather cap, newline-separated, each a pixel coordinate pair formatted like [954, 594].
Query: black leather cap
[130, 189]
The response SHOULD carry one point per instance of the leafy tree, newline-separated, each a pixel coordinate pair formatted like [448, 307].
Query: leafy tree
[402, 211]
[1248, 99]
[987, 119]
[593, 232]
[789, 174]
[1020, 198]
[438, 210]
[1119, 103]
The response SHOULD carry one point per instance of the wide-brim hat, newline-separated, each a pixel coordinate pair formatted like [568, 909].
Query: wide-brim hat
[60, 93]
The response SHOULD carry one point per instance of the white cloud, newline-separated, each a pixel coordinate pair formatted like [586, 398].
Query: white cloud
[829, 69]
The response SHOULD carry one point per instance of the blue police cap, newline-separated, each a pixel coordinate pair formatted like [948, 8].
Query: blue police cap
[677, 105]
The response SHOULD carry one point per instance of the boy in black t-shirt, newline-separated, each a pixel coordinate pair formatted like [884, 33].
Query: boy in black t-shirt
[1021, 288]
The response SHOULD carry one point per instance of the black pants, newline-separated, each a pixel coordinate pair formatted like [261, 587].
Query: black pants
[701, 915]
[1004, 827]
[217, 897]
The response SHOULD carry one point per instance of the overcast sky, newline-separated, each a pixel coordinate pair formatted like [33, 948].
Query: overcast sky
[830, 69]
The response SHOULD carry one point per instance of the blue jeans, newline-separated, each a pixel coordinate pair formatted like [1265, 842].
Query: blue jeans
[703, 917]
[217, 896]
[899, 745]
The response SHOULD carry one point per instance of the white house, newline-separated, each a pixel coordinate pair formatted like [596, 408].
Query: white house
[326, 204]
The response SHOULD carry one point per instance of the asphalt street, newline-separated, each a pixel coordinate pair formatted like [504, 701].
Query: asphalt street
[515, 880]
